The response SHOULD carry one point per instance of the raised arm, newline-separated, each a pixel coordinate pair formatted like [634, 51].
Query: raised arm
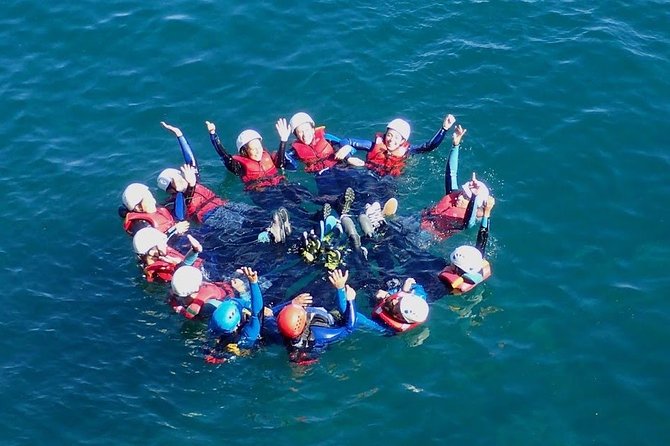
[451, 169]
[186, 151]
[228, 161]
[437, 139]
[483, 233]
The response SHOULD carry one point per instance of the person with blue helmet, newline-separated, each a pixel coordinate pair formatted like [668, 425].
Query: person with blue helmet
[307, 331]
[236, 324]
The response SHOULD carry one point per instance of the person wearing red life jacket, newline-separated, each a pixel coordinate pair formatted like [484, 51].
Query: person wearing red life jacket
[256, 167]
[199, 201]
[191, 296]
[468, 265]
[158, 260]
[388, 152]
[139, 210]
[460, 208]
[401, 310]
[312, 147]
[203, 206]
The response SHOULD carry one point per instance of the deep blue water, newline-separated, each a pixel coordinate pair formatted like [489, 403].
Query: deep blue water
[566, 106]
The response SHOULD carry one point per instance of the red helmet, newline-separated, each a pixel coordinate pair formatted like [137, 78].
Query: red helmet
[291, 320]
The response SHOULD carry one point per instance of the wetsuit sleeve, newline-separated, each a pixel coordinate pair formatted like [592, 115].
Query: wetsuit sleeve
[291, 162]
[280, 156]
[358, 144]
[341, 300]
[470, 215]
[451, 171]
[350, 315]
[434, 142]
[180, 206]
[227, 159]
[187, 152]
[483, 236]
[252, 329]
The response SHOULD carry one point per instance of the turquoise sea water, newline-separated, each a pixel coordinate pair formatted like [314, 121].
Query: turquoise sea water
[566, 106]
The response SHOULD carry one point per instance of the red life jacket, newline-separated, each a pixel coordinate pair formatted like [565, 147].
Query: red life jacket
[201, 202]
[445, 218]
[318, 155]
[259, 174]
[161, 219]
[383, 313]
[459, 284]
[162, 271]
[380, 160]
[207, 291]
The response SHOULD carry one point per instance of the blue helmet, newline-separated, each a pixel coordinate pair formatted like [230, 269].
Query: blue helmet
[226, 317]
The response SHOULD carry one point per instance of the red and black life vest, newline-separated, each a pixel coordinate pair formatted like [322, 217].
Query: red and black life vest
[201, 202]
[162, 270]
[161, 219]
[318, 155]
[207, 291]
[259, 174]
[383, 312]
[453, 277]
[445, 218]
[382, 162]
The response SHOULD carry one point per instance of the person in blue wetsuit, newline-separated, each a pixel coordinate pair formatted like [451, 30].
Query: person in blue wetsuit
[307, 330]
[387, 155]
[388, 152]
[236, 324]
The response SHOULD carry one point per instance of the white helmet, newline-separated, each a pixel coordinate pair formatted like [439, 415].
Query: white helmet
[147, 238]
[134, 194]
[467, 258]
[401, 126]
[166, 177]
[245, 137]
[186, 281]
[299, 119]
[413, 308]
[483, 190]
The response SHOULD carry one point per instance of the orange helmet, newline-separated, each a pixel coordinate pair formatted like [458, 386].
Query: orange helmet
[291, 320]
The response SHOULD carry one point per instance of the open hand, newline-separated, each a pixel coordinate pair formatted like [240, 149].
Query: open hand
[181, 227]
[303, 299]
[250, 273]
[283, 129]
[338, 279]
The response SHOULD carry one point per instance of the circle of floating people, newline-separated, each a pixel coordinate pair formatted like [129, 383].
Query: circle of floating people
[286, 268]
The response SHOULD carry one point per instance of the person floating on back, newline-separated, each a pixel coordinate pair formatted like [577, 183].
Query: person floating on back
[388, 152]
